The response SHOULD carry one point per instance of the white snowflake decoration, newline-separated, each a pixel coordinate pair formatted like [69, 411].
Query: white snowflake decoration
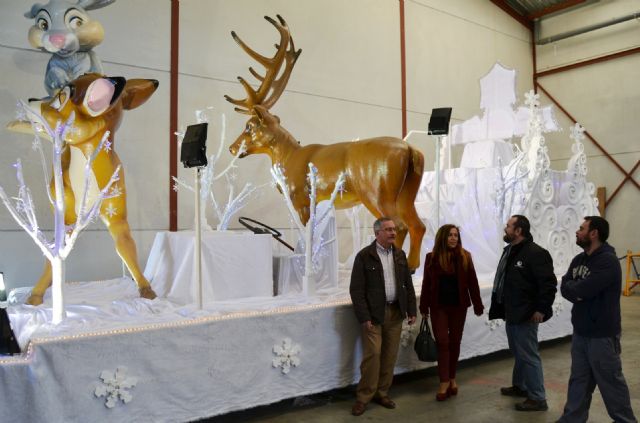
[407, 334]
[286, 355]
[116, 191]
[115, 386]
[111, 211]
[493, 324]
[558, 306]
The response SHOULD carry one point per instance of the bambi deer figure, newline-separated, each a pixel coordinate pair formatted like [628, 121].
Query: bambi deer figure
[98, 103]
[382, 173]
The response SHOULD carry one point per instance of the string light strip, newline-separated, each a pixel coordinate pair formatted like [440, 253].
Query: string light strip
[25, 358]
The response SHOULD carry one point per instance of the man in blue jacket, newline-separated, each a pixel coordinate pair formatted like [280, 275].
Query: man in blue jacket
[593, 285]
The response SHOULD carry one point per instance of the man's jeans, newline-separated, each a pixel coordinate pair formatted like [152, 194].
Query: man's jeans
[527, 370]
[596, 361]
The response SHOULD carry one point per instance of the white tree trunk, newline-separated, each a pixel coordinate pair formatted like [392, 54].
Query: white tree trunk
[308, 280]
[57, 289]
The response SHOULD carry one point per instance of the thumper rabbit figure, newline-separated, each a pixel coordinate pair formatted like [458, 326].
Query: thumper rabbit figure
[65, 29]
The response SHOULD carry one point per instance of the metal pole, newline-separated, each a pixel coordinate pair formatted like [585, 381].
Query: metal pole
[198, 241]
[448, 144]
[437, 169]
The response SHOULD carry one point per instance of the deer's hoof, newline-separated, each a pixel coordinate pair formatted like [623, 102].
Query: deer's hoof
[34, 300]
[147, 293]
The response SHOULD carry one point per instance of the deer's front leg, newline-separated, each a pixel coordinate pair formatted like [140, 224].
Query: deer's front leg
[300, 201]
[37, 293]
[304, 214]
[126, 248]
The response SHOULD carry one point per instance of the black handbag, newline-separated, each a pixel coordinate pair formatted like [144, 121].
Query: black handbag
[425, 345]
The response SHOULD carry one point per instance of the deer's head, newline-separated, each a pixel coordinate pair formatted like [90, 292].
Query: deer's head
[263, 128]
[97, 103]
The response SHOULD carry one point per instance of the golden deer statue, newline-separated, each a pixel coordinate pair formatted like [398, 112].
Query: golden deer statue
[382, 173]
[98, 103]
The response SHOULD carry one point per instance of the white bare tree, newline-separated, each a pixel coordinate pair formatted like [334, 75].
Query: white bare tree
[22, 207]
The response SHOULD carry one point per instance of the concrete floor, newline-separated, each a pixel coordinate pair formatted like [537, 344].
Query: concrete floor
[479, 399]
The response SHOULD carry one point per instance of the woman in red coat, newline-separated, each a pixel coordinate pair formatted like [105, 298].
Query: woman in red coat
[449, 287]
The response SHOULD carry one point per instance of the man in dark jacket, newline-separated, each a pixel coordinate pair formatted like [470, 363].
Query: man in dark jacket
[523, 292]
[593, 285]
[382, 294]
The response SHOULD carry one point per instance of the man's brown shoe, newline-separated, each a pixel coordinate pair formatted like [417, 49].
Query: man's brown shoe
[386, 402]
[513, 391]
[532, 405]
[358, 408]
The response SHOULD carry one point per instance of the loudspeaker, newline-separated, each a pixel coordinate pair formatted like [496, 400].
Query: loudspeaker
[439, 121]
[194, 150]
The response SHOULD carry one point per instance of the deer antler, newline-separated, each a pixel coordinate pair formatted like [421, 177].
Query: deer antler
[272, 65]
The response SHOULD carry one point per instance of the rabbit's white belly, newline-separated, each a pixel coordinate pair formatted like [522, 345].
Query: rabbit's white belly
[77, 177]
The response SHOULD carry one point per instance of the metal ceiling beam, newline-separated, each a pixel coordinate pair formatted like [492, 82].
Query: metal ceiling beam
[624, 181]
[588, 28]
[588, 62]
[555, 8]
[502, 4]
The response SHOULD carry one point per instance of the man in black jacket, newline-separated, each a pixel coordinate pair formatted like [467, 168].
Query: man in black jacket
[593, 285]
[383, 296]
[523, 292]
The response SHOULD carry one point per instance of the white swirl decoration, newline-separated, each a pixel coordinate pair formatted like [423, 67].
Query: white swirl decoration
[571, 192]
[558, 239]
[587, 207]
[539, 166]
[577, 165]
[528, 184]
[522, 167]
[560, 259]
[545, 190]
[535, 210]
[577, 148]
[554, 240]
[549, 216]
[568, 217]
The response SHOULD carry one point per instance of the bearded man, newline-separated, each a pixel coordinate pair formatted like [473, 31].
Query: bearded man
[524, 289]
[593, 284]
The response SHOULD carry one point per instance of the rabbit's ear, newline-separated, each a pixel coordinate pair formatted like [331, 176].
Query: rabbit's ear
[34, 10]
[94, 4]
